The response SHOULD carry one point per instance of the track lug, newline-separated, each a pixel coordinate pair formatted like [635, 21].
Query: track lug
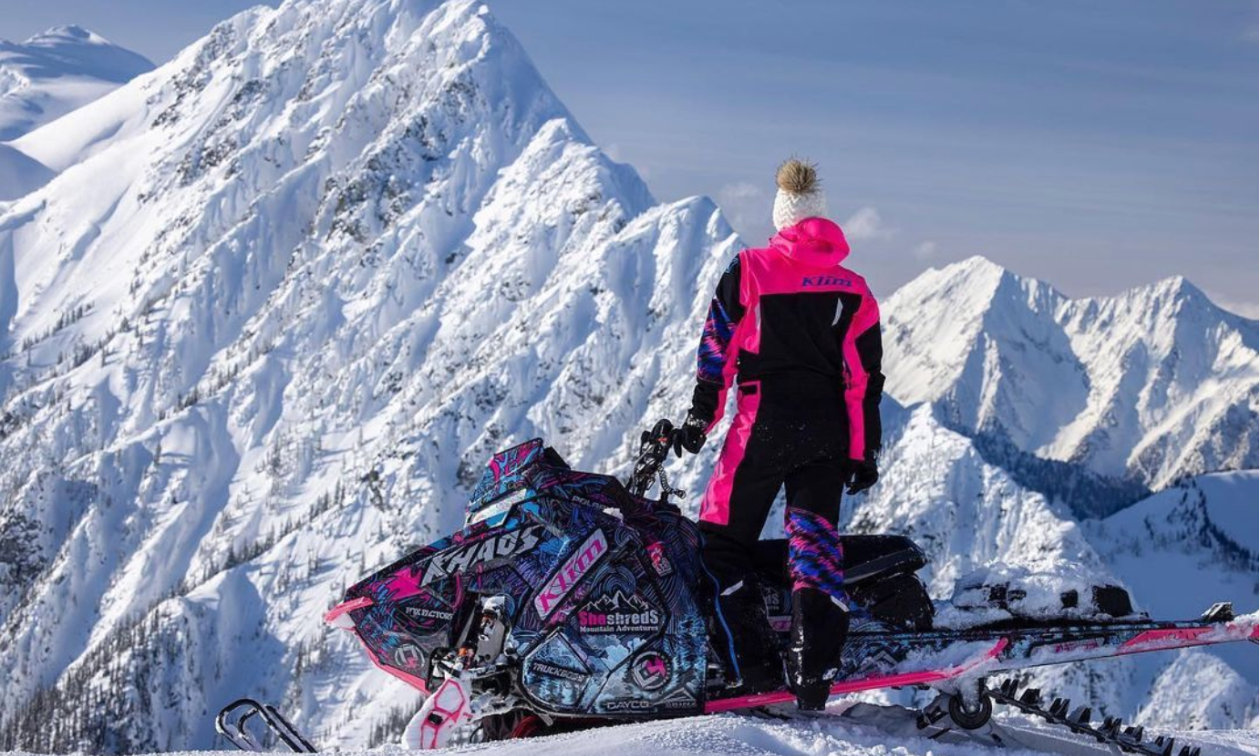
[1081, 716]
[1031, 697]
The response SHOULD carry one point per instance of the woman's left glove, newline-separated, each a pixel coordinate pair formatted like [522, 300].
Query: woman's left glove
[862, 475]
[690, 436]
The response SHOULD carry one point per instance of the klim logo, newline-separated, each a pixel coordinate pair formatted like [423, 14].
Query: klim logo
[571, 573]
[826, 280]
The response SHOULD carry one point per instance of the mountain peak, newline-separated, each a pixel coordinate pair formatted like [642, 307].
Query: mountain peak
[66, 32]
[57, 71]
[1055, 376]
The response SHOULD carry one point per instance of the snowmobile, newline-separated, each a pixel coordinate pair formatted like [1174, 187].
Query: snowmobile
[570, 599]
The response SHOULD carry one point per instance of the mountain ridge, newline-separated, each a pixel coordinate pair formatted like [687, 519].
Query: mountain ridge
[1067, 400]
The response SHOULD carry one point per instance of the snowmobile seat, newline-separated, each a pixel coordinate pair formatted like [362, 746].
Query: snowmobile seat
[878, 575]
[865, 557]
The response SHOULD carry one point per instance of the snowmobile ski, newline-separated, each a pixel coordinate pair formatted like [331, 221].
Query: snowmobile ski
[234, 721]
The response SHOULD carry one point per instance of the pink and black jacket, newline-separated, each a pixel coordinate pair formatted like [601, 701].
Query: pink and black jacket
[791, 313]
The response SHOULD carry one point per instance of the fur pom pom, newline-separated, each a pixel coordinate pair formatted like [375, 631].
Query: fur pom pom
[797, 177]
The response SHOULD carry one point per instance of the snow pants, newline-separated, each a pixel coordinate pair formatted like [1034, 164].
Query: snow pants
[789, 435]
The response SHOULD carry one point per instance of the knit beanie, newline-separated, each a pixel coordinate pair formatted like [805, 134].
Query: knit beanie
[800, 194]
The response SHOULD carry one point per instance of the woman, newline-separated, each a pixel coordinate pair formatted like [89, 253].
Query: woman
[799, 334]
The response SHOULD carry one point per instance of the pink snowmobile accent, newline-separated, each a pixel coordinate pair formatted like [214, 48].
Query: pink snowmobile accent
[343, 609]
[867, 683]
[442, 713]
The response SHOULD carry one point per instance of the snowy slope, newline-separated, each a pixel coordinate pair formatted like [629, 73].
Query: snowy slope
[44, 78]
[282, 299]
[1169, 549]
[56, 72]
[20, 173]
[1148, 385]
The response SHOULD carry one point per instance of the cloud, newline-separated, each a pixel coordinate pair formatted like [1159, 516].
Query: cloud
[1248, 308]
[740, 190]
[925, 250]
[747, 207]
[866, 223]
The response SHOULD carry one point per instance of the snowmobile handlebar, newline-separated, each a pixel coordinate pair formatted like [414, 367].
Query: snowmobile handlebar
[653, 450]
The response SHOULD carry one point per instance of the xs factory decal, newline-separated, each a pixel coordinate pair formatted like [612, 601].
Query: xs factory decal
[650, 670]
[423, 613]
[497, 547]
[578, 566]
[620, 613]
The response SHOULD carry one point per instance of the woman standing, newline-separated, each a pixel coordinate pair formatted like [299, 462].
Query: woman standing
[798, 333]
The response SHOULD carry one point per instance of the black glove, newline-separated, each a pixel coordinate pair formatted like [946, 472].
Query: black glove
[690, 436]
[862, 475]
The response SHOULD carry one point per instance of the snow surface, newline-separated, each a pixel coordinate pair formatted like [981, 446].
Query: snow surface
[1179, 551]
[733, 735]
[286, 294]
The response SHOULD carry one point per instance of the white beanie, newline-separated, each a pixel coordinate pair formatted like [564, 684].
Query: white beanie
[800, 195]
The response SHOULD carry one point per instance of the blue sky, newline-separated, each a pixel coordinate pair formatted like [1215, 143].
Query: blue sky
[1094, 145]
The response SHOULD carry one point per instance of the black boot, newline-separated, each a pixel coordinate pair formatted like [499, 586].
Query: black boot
[742, 614]
[819, 629]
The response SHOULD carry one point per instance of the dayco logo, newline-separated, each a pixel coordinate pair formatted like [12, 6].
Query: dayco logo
[571, 573]
[825, 280]
[499, 546]
[628, 704]
[619, 613]
[424, 612]
[552, 670]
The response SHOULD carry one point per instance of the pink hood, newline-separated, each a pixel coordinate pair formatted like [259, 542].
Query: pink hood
[816, 242]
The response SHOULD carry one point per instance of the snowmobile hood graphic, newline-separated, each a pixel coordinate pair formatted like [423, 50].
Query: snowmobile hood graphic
[569, 598]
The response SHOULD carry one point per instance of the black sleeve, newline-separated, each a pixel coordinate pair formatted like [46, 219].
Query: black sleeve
[870, 349]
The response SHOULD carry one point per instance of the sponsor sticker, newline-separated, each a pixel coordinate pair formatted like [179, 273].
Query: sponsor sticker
[498, 546]
[409, 656]
[679, 699]
[618, 613]
[649, 670]
[502, 505]
[660, 562]
[571, 573]
[428, 613]
[555, 670]
[628, 704]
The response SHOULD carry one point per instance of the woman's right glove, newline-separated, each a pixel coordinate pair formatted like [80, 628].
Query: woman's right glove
[690, 436]
[862, 475]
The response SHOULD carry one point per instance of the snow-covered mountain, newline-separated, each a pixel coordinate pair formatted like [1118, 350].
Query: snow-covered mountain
[281, 300]
[56, 72]
[1168, 549]
[1145, 387]
[44, 78]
